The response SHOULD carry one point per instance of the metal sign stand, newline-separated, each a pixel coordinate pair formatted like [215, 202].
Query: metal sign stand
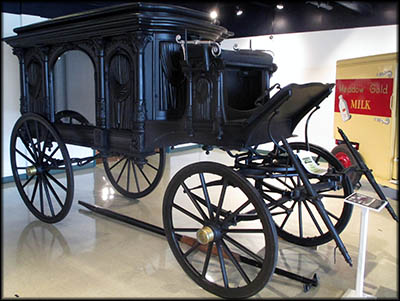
[366, 203]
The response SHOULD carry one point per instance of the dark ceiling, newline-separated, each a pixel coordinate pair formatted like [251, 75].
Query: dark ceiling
[258, 18]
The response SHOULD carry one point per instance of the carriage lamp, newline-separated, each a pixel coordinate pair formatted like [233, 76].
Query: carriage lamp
[31, 171]
[214, 14]
[205, 235]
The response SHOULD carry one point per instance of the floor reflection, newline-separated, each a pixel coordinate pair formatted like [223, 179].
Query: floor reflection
[42, 244]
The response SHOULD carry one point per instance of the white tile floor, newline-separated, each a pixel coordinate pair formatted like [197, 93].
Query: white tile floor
[91, 256]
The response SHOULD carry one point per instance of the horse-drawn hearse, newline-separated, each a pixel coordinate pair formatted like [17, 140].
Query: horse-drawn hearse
[162, 79]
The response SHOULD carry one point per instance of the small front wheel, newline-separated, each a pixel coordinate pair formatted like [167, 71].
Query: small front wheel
[133, 176]
[209, 221]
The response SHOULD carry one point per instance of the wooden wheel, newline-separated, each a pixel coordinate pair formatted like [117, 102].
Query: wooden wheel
[223, 249]
[71, 117]
[297, 219]
[41, 168]
[135, 177]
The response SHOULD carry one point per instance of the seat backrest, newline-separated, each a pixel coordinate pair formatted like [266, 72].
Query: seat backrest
[303, 98]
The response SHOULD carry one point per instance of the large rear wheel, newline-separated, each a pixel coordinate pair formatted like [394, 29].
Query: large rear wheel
[41, 168]
[225, 250]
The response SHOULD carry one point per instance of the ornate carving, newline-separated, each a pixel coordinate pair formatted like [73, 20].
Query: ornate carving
[202, 99]
[121, 91]
[139, 40]
[35, 86]
[172, 79]
[19, 52]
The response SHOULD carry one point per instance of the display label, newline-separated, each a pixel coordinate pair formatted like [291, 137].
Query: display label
[366, 201]
[364, 96]
[309, 164]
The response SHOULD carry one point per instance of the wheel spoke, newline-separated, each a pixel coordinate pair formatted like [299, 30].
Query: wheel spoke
[235, 262]
[206, 195]
[27, 182]
[207, 259]
[287, 216]
[221, 199]
[28, 131]
[195, 203]
[41, 195]
[37, 139]
[243, 248]
[222, 264]
[56, 181]
[235, 213]
[313, 218]
[156, 169]
[115, 164]
[128, 177]
[23, 155]
[46, 190]
[191, 249]
[53, 152]
[122, 170]
[332, 215]
[300, 219]
[188, 213]
[54, 192]
[27, 147]
[286, 184]
[34, 190]
[143, 174]
[136, 178]
[43, 152]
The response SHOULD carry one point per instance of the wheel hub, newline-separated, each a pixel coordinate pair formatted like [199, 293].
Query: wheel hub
[205, 235]
[31, 171]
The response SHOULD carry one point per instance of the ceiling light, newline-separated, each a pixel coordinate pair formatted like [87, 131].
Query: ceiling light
[279, 6]
[239, 12]
[213, 14]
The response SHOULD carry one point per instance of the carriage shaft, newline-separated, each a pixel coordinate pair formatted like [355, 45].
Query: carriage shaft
[191, 241]
[317, 201]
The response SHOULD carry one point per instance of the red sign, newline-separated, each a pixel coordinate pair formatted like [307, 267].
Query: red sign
[364, 96]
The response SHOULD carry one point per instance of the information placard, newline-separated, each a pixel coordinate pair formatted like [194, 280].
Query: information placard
[365, 201]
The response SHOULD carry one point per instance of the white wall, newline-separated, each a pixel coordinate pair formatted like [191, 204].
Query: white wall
[10, 94]
[311, 57]
[11, 90]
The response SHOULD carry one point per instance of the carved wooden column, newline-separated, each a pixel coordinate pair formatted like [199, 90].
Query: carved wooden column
[24, 105]
[101, 101]
[48, 110]
[139, 41]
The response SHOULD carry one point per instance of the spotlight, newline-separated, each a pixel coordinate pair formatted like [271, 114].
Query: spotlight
[213, 14]
[279, 6]
[239, 12]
